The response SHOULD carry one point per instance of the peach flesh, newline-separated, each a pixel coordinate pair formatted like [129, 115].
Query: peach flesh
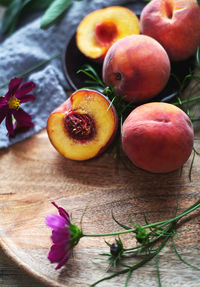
[157, 137]
[174, 24]
[101, 28]
[83, 126]
[105, 33]
[138, 67]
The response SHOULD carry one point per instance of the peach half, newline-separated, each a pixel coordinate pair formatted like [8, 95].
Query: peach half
[138, 68]
[101, 28]
[157, 137]
[175, 24]
[83, 126]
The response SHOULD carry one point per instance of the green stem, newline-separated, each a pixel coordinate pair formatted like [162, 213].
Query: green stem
[180, 257]
[187, 211]
[31, 69]
[198, 49]
[141, 263]
[127, 278]
[158, 271]
[151, 243]
[187, 101]
[161, 223]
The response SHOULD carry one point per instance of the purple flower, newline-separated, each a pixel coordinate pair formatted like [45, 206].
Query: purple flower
[10, 105]
[65, 236]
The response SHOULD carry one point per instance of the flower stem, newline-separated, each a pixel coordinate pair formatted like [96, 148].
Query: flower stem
[141, 263]
[160, 223]
[187, 101]
[31, 69]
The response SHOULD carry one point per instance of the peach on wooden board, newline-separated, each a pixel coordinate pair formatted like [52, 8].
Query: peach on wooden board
[157, 137]
[83, 126]
[138, 68]
[101, 28]
[174, 24]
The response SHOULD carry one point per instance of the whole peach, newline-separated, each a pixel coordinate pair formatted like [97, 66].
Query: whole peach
[138, 68]
[174, 24]
[157, 137]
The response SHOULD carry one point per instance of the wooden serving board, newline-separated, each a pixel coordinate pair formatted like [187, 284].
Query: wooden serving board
[32, 174]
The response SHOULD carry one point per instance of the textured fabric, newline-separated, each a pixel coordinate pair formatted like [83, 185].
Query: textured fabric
[29, 45]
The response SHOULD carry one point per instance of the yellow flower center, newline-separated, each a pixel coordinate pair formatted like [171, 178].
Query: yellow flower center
[14, 103]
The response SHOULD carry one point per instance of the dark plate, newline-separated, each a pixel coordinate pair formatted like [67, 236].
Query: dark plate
[74, 60]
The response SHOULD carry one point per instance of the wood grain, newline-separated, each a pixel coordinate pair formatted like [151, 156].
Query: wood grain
[12, 275]
[32, 174]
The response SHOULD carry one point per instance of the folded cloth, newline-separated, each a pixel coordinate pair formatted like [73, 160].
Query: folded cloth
[30, 45]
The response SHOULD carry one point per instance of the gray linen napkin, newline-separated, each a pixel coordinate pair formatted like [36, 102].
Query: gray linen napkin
[30, 45]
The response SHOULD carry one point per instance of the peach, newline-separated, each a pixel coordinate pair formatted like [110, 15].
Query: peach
[174, 24]
[101, 28]
[83, 126]
[157, 137]
[138, 68]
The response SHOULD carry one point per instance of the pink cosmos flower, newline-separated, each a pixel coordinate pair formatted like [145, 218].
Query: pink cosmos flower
[65, 236]
[10, 105]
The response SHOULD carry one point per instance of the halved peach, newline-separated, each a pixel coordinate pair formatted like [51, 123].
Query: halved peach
[101, 28]
[83, 126]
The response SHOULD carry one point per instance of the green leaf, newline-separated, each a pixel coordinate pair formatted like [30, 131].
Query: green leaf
[120, 224]
[11, 15]
[36, 5]
[13, 26]
[5, 2]
[191, 165]
[181, 259]
[55, 10]
[90, 72]
[158, 271]
[198, 53]
[127, 278]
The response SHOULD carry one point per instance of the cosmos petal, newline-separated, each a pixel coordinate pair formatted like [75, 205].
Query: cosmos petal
[25, 89]
[9, 106]
[13, 86]
[9, 124]
[65, 236]
[3, 102]
[57, 252]
[55, 221]
[59, 237]
[23, 118]
[64, 260]
[27, 98]
[3, 113]
[15, 83]
[62, 212]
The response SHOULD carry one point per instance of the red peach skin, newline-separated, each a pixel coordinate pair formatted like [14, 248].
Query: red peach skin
[157, 137]
[175, 24]
[138, 68]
